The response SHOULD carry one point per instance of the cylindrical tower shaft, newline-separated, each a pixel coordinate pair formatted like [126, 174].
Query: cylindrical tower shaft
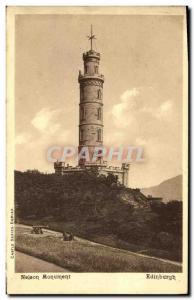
[91, 105]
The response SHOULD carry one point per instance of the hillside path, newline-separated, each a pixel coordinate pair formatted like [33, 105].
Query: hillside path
[25, 263]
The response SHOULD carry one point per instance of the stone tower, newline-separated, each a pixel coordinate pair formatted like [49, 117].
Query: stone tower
[91, 104]
[91, 122]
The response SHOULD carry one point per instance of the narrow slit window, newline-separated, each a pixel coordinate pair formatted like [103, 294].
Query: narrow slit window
[99, 135]
[99, 113]
[99, 94]
[81, 135]
[96, 69]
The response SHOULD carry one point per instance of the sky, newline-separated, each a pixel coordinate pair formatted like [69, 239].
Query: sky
[141, 59]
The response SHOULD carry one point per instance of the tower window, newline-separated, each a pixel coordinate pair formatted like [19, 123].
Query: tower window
[86, 69]
[99, 113]
[99, 94]
[82, 113]
[81, 134]
[99, 135]
[96, 69]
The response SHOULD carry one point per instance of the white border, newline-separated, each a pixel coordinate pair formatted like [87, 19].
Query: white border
[3, 4]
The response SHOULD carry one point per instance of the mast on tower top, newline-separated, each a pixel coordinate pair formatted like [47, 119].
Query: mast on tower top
[91, 37]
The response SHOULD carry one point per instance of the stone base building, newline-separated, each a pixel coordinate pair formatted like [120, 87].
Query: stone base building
[102, 169]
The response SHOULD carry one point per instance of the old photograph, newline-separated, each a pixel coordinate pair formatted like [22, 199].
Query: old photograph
[97, 119]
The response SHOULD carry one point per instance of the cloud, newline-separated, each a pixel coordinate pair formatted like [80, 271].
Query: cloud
[126, 103]
[140, 116]
[164, 109]
[46, 121]
[129, 93]
[140, 104]
[22, 138]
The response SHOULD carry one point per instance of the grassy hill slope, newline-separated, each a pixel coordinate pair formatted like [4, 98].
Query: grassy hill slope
[83, 256]
[99, 209]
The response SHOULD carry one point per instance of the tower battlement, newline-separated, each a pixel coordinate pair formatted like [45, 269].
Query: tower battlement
[102, 169]
[91, 54]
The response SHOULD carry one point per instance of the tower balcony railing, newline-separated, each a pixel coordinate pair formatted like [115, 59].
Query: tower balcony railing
[90, 76]
[91, 53]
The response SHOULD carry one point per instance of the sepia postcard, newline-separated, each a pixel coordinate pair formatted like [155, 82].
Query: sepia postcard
[97, 150]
